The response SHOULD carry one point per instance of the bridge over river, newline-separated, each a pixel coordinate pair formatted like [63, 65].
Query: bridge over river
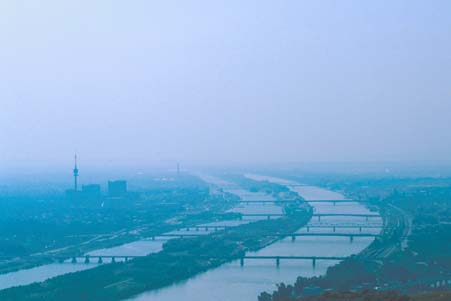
[302, 257]
[230, 282]
[125, 257]
[280, 235]
[334, 202]
[318, 215]
[101, 258]
[333, 227]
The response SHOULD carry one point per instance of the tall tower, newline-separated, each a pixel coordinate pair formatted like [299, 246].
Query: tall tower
[75, 174]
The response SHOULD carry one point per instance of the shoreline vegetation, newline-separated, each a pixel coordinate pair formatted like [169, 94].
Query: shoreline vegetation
[179, 260]
[410, 258]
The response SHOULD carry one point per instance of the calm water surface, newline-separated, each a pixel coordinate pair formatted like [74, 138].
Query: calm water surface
[232, 282]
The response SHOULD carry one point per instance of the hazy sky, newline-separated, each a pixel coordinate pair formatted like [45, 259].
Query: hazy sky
[224, 81]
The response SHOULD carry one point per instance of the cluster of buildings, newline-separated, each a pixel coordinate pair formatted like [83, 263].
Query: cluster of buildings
[116, 189]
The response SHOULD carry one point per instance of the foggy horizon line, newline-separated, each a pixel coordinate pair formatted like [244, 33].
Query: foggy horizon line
[194, 165]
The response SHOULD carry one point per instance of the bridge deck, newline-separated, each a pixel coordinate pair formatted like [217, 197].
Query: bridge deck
[296, 257]
[139, 256]
[336, 234]
[343, 227]
[262, 214]
[316, 214]
[336, 201]
[94, 257]
[267, 201]
[346, 214]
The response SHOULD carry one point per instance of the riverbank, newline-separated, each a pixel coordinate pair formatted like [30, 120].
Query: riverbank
[179, 260]
[151, 219]
[232, 282]
[409, 258]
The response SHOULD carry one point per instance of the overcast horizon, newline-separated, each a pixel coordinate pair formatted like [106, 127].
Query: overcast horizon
[223, 82]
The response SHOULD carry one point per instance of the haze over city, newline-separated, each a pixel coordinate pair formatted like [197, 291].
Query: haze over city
[225, 150]
[144, 82]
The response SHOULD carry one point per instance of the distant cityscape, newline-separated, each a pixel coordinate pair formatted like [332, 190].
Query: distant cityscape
[115, 188]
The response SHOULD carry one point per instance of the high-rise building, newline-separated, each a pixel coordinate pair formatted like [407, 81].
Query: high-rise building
[117, 188]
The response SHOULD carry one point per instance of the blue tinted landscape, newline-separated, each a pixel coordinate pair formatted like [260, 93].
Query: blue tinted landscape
[225, 150]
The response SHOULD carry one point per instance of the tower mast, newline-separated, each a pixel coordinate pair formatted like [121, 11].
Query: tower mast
[75, 174]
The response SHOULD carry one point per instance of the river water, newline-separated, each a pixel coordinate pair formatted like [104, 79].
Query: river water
[232, 282]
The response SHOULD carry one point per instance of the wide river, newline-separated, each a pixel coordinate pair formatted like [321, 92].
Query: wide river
[232, 282]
